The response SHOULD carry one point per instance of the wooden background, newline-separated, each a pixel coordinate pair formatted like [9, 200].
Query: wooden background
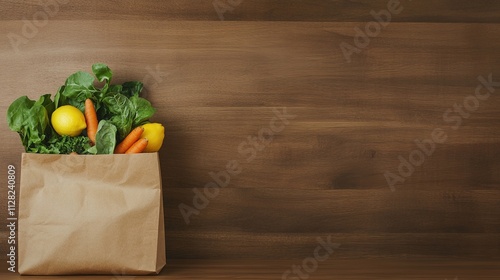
[322, 175]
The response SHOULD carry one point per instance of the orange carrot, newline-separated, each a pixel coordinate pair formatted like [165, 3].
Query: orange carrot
[138, 146]
[91, 120]
[73, 153]
[131, 138]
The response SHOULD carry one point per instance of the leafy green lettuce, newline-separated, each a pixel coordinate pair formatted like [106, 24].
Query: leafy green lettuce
[105, 138]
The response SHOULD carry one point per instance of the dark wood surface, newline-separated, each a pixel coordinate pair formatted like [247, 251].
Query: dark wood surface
[324, 173]
[333, 269]
[483, 11]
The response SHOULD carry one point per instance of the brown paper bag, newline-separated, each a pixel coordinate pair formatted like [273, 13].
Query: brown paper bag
[95, 214]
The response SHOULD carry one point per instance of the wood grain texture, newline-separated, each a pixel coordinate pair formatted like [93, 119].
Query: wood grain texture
[331, 269]
[483, 11]
[216, 84]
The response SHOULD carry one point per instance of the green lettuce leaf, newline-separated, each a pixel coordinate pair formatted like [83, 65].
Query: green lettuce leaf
[119, 111]
[143, 110]
[30, 119]
[102, 73]
[130, 89]
[105, 139]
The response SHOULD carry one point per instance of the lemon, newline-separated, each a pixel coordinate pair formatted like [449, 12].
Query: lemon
[68, 120]
[154, 132]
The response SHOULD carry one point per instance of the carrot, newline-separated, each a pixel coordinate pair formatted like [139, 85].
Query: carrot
[138, 146]
[73, 153]
[91, 120]
[131, 138]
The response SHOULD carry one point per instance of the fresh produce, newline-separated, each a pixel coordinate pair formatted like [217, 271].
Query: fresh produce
[91, 120]
[154, 132]
[138, 146]
[86, 118]
[131, 138]
[68, 120]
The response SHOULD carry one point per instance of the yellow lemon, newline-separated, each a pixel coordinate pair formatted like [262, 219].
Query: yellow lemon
[68, 120]
[154, 132]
